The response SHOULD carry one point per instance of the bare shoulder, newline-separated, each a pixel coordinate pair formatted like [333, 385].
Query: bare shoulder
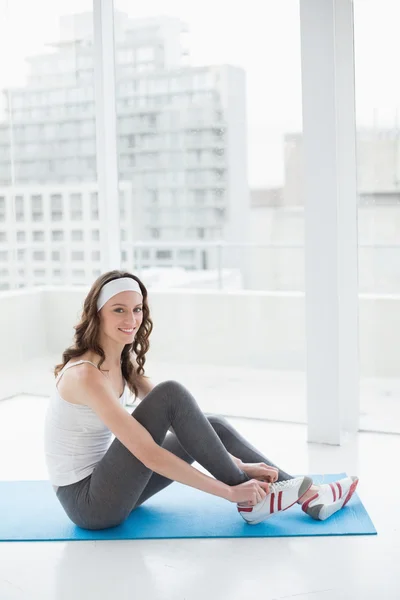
[78, 380]
[87, 385]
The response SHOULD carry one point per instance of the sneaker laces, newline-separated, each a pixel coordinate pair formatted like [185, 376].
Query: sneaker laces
[278, 485]
[275, 487]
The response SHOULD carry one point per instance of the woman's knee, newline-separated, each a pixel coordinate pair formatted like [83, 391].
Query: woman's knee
[172, 396]
[171, 388]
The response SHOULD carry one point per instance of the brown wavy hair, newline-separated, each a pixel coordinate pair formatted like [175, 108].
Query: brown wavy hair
[87, 333]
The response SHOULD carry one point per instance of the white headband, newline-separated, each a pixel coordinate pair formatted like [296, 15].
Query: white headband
[110, 289]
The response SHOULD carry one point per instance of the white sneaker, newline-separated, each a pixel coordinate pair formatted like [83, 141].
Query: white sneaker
[330, 498]
[282, 495]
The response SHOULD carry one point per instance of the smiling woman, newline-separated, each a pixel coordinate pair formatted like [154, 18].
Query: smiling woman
[137, 309]
[99, 483]
[95, 336]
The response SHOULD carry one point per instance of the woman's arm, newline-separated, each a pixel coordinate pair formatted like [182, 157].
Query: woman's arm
[93, 390]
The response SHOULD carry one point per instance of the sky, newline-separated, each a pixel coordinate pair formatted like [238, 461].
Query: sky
[262, 36]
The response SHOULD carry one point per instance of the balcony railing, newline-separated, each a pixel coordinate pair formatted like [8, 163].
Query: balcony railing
[204, 264]
[243, 353]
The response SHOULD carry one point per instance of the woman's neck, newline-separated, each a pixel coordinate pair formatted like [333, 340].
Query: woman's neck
[108, 364]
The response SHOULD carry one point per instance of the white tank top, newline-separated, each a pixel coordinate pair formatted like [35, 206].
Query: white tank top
[75, 438]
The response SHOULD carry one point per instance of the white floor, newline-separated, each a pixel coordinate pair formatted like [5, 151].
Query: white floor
[326, 568]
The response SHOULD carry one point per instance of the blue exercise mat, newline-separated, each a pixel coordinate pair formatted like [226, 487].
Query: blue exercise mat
[30, 511]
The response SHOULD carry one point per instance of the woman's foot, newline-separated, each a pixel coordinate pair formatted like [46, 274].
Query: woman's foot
[282, 495]
[329, 498]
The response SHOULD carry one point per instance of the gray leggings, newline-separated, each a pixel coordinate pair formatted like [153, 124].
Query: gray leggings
[120, 482]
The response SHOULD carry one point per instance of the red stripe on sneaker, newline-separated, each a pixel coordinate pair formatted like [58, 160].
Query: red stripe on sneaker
[333, 492]
[271, 506]
[280, 500]
[241, 509]
[340, 489]
[350, 492]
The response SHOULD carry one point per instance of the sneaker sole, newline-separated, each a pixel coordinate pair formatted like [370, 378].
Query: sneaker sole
[339, 504]
[309, 484]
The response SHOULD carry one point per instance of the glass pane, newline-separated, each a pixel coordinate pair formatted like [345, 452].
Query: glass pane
[209, 175]
[47, 139]
[378, 179]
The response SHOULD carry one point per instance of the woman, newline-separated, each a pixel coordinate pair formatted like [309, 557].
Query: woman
[99, 483]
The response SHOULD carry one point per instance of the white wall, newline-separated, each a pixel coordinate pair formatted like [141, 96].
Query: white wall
[22, 327]
[252, 329]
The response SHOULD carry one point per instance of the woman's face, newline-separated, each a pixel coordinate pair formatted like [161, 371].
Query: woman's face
[121, 316]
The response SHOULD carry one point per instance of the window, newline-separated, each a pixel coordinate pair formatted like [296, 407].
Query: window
[77, 255]
[142, 254]
[181, 152]
[37, 208]
[38, 236]
[3, 236]
[3, 255]
[164, 254]
[56, 202]
[377, 143]
[56, 272]
[95, 255]
[21, 236]
[95, 235]
[199, 197]
[218, 193]
[79, 273]
[77, 235]
[39, 272]
[122, 211]
[19, 208]
[57, 235]
[56, 255]
[38, 255]
[94, 206]
[21, 254]
[76, 207]
[2, 208]
[186, 254]
[153, 196]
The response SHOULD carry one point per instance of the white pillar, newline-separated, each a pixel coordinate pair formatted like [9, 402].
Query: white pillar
[331, 246]
[106, 134]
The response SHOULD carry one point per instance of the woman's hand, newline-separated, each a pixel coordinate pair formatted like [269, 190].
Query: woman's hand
[260, 471]
[248, 493]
